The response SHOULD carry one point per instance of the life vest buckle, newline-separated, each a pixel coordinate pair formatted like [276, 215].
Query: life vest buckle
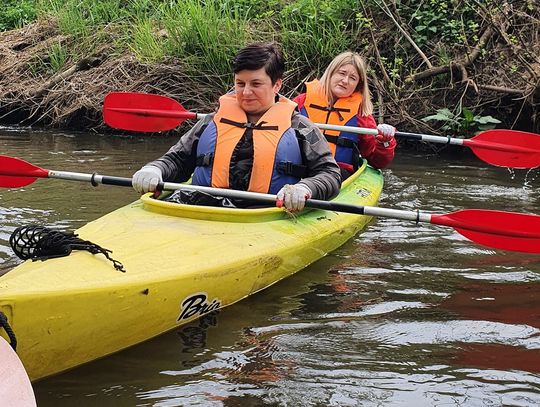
[285, 167]
[289, 168]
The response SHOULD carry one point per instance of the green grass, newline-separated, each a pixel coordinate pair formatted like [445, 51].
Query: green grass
[206, 37]
[317, 30]
[145, 42]
[16, 13]
[57, 55]
[205, 34]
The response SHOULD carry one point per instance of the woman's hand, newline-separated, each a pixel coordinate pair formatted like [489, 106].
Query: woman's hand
[293, 197]
[386, 134]
[146, 179]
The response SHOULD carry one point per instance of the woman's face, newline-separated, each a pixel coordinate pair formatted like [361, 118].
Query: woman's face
[255, 92]
[344, 81]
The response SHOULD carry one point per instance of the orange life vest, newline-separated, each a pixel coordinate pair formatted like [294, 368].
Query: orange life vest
[343, 113]
[275, 147]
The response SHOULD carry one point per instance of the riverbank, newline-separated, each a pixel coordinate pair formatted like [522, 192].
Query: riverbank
[476, 59]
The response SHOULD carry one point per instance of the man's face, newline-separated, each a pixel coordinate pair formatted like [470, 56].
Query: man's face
[255, 92]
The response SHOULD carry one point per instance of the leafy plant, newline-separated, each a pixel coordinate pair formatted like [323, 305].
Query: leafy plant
[16, 13]
[450, 22]
[462, 123]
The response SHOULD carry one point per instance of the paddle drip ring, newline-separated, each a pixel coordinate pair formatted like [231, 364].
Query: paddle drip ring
[41, 243]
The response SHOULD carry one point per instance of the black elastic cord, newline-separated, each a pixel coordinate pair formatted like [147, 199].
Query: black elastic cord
[11, 335]
[41, 243]
[417, 217]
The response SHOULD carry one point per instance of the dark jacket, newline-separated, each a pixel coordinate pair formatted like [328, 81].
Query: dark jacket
[323, 174]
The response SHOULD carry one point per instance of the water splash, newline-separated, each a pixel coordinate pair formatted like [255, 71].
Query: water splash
[530, 176]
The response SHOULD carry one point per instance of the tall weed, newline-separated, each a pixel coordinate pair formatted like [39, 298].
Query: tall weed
[206, 36]
[145, 43]
[57, 56]
[314, 31]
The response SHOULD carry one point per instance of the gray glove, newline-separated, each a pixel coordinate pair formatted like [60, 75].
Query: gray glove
[146, 179]
[293, 197]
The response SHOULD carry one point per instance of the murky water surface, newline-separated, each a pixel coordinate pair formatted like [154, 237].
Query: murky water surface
[401, 315]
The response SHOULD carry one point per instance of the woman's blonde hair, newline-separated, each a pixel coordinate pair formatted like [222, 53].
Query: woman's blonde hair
[357, 61]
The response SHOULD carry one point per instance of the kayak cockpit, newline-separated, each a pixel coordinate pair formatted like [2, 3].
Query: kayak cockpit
[226, 214]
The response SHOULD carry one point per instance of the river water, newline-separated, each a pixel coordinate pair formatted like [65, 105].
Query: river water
[401, 315]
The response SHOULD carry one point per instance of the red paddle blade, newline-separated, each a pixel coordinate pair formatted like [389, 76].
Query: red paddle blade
[143, 112]
[500, 230]
[507, 148]
[15, 173]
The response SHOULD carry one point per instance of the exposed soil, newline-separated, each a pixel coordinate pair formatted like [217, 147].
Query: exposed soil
[74, 97]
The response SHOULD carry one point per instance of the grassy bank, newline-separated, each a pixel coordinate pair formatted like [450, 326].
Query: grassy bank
[466, 56]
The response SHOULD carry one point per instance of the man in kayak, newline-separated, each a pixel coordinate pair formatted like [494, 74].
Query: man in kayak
[256, 141]
[341, 97]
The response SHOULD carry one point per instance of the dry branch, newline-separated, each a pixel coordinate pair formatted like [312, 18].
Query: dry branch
[457, 65]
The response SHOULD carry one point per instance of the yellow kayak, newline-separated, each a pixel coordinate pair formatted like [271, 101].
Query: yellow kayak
[180, 262]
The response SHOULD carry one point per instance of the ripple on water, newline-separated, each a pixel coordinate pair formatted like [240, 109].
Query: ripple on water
[467, 331]
[377, 309]
[506, 276]
[211, 393]
[304, 367]
[421, 291]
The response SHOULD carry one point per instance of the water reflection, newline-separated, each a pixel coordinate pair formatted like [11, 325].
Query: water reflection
[402, 315]
[515, 305]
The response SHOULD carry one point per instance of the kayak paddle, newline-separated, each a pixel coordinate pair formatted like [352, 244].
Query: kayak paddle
[497, 229]
[146, 112]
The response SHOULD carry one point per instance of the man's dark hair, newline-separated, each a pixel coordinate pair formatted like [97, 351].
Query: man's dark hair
[256, 56]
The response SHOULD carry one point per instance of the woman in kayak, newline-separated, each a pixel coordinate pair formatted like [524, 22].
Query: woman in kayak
[341, 97]
[256, 141]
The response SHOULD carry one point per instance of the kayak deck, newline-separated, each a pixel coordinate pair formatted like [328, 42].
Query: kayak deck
[181, 262]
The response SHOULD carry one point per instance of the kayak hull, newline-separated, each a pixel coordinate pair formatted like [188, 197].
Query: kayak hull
[181, 262]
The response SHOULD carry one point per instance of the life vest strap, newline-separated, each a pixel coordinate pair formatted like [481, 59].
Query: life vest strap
[338, 110]
[340, 141]
[347, 143]
[289, 168]
[248, 125]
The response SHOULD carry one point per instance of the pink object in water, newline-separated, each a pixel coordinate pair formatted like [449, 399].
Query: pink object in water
[15, 387]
